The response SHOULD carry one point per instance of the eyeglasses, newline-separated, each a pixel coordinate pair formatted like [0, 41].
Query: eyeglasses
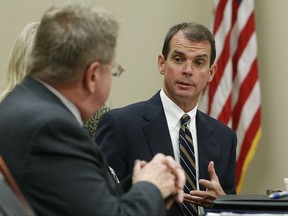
[117, 70]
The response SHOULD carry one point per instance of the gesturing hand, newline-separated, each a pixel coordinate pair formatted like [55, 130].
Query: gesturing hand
[213, 189]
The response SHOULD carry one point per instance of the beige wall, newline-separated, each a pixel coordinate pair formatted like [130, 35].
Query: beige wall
[144, 24]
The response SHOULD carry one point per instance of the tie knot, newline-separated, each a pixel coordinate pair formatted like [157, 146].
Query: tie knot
[185, 119]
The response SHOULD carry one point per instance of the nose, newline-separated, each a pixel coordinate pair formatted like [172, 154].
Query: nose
[187, 69]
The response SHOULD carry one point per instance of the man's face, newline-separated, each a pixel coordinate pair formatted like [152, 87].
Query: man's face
[186, 70]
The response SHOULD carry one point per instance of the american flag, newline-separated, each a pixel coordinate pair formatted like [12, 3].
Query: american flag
[233, 97]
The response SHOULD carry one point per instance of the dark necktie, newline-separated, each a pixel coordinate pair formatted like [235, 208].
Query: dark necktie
[187, 161]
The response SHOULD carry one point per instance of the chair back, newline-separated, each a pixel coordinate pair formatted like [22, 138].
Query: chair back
[12, 200]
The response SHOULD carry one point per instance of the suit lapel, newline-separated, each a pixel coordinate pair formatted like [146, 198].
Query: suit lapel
[208, 145]
[156, 128]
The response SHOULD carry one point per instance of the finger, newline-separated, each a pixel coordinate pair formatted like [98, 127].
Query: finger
[212, 171]
[170, 162]
[177, 170]
[181, 178]
[206, 184]
[137, 166]
[199, 199]
[192, 199]
[143, 163]
[203, 194]
[180, 196]
[158, 157]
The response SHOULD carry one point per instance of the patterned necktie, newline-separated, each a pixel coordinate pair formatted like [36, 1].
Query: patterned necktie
[187, 161]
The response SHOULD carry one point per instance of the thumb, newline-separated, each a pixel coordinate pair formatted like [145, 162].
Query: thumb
[212, 172]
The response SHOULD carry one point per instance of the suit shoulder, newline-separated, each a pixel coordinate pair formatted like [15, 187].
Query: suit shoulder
[153, 103]
[129, 109]
[213, 122]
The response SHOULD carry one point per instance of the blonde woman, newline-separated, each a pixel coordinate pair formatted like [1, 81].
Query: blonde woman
[18, 56]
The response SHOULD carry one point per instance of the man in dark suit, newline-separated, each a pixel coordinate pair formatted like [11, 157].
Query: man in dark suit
[59, 168]
[141, 130]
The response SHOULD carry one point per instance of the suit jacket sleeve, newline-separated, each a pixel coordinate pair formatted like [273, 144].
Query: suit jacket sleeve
[65, 174]
[217, 142]
[111, 137]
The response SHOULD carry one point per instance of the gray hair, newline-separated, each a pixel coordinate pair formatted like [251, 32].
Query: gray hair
[71, 35]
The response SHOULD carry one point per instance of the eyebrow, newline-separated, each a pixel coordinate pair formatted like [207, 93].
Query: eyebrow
[204, 55]
[177, 53]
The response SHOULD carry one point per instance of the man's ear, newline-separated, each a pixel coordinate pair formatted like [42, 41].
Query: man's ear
[212, 72]
[92, 77]
[161, 64]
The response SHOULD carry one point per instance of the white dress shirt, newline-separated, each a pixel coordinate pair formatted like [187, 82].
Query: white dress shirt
[173, 115]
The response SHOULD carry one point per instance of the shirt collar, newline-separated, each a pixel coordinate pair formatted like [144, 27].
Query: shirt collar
[173, 112]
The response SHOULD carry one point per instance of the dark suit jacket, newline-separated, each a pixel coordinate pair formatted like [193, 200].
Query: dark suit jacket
[139, 131]
[58, 167]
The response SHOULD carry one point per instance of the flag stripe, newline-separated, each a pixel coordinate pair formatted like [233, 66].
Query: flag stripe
[219, 15]
[244, 65]
[243, 40]
[233, 96]
[221, 33]
[249, 136]
[248, 158]
[222, 61]
[244, 93]
[248, 111]
[223, 29]
[225, 113]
